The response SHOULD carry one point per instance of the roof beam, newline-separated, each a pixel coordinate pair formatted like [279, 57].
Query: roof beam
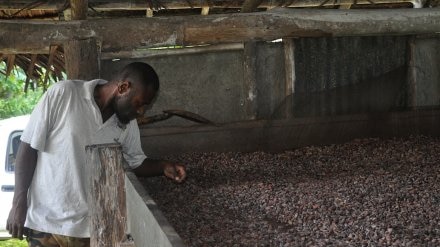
[105, 5]
[213, 29]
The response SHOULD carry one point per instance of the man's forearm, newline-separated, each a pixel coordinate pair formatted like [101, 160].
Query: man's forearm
[150, 168]
[24, 171]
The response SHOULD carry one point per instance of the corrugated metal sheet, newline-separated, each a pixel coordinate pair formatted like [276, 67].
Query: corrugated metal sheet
[326, 63]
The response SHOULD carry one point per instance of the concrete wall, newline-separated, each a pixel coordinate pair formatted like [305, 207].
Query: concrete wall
[207, 84]
[334, 76]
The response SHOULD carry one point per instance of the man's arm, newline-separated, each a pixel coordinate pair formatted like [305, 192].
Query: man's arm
[24, 171]
[152, 167]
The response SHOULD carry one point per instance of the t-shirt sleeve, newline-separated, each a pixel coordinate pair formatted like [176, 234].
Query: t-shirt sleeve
[131, 145]
[41, 121]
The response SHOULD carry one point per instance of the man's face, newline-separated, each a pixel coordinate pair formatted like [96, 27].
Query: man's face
[133, 103]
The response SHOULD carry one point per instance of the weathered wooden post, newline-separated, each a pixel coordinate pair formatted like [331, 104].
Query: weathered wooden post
[107, 201]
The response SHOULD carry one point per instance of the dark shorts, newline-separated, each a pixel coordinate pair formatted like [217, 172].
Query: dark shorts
[44, 239]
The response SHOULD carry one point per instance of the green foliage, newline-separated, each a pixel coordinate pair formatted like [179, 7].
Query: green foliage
[13, 243]
[13, 100]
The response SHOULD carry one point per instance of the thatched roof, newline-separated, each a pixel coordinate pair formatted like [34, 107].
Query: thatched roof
[39, 68]
[43, 66]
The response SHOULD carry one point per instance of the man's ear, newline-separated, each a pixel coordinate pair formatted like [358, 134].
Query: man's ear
[124, 87]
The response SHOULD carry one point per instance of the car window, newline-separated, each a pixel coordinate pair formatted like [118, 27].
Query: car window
[13, 144]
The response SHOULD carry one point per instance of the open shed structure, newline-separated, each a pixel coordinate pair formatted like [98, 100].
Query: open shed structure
[271, 75]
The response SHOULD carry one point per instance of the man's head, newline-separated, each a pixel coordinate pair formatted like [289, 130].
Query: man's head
[137, 85]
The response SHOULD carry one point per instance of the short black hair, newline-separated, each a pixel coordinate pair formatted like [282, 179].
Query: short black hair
[139, 73]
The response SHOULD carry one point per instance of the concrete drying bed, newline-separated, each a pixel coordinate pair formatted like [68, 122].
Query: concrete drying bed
[368, 191]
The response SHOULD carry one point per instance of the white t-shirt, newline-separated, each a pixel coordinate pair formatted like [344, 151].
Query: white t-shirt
[62, 124]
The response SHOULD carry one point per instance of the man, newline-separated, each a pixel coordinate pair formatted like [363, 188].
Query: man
[50, 199]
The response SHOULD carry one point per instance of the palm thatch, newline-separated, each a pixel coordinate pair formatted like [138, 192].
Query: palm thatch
[40, 69]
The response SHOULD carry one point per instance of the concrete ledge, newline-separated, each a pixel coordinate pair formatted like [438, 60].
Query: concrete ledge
[146, 223]
[278, 135]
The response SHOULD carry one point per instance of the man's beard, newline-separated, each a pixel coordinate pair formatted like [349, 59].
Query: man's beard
[123, 111]
[122, 118]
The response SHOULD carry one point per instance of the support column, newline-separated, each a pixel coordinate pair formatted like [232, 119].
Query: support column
[289, 65]
[424, 72]
[82, 59]
[79, 9]
[107, 198]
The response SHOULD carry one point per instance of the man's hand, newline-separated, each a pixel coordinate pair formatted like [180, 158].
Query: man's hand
[175, 171]
[16, 219]
[153, 167]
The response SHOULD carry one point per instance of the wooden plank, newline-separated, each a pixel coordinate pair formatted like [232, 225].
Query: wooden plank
[82, 59]
[107, 200]
[214, 29]
[172, 52]
[412, 74]
[105, 5]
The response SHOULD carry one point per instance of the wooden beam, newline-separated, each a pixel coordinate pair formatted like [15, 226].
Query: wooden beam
[107, 5]
[149, 53]
[82, 59]
[213, 29]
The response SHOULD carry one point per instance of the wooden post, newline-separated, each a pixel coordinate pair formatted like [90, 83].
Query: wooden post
[423, 88]
[49, 70]
[412, 71]
[289, 65]
[79, 9]
[29, 72]
[107, 203]
[250, 5]
[81, 55]
[250, 79]
[250, 66]
[82, 59]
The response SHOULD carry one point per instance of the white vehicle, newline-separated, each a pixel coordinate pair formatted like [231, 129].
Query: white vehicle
[10, 133]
